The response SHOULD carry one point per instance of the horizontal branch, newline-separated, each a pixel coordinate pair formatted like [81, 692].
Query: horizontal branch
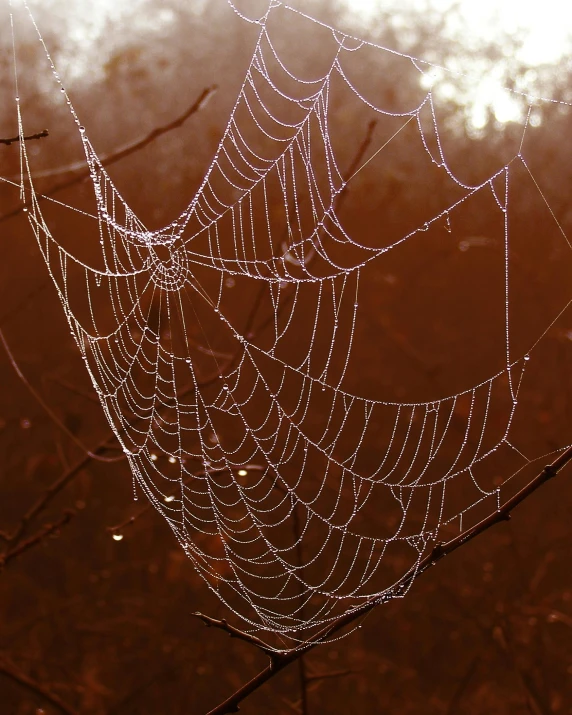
[38, 135]
[440, 550]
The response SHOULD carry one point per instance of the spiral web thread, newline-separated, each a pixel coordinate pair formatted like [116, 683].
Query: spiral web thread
[248, 442]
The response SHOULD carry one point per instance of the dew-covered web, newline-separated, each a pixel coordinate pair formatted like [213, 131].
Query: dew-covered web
[289, 492]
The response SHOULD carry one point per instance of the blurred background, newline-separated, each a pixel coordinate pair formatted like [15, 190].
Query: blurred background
[95, 625]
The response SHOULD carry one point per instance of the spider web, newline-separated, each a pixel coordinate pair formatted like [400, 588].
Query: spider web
[295, 497]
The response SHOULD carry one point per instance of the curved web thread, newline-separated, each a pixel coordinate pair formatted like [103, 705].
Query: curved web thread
[246, 440]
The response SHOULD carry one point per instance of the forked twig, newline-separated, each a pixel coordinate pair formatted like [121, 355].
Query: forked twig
[439, 551]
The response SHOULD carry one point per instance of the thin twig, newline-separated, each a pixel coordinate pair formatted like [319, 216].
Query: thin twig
[304, 678]
[335, 208]
[233, 632]
[125, 151]
[38, 135]
[40, 536]
[54, 488]
[9, 670]
[317, 677]
[90, 395]
[304, 682]
[356, 164]
[533, 700]
[43, 404]
[439, 551]
[463, 685]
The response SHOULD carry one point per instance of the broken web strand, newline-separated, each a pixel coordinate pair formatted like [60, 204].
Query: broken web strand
[205, 503]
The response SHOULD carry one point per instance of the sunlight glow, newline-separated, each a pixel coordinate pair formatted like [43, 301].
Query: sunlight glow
[527, 34]
[545, 27]
[544, 34]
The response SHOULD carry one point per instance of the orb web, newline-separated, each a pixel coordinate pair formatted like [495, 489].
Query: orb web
[294, 496]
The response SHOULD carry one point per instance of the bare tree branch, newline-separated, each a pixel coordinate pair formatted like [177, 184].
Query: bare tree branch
[462, 686]
[43, 534]
[131, 148]
[535, 704]
[13, 140]
[304, 683]
[318, 677]
[40, 400]
[9, 670]
[54, 488]
[439, 551]
[275, 656]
